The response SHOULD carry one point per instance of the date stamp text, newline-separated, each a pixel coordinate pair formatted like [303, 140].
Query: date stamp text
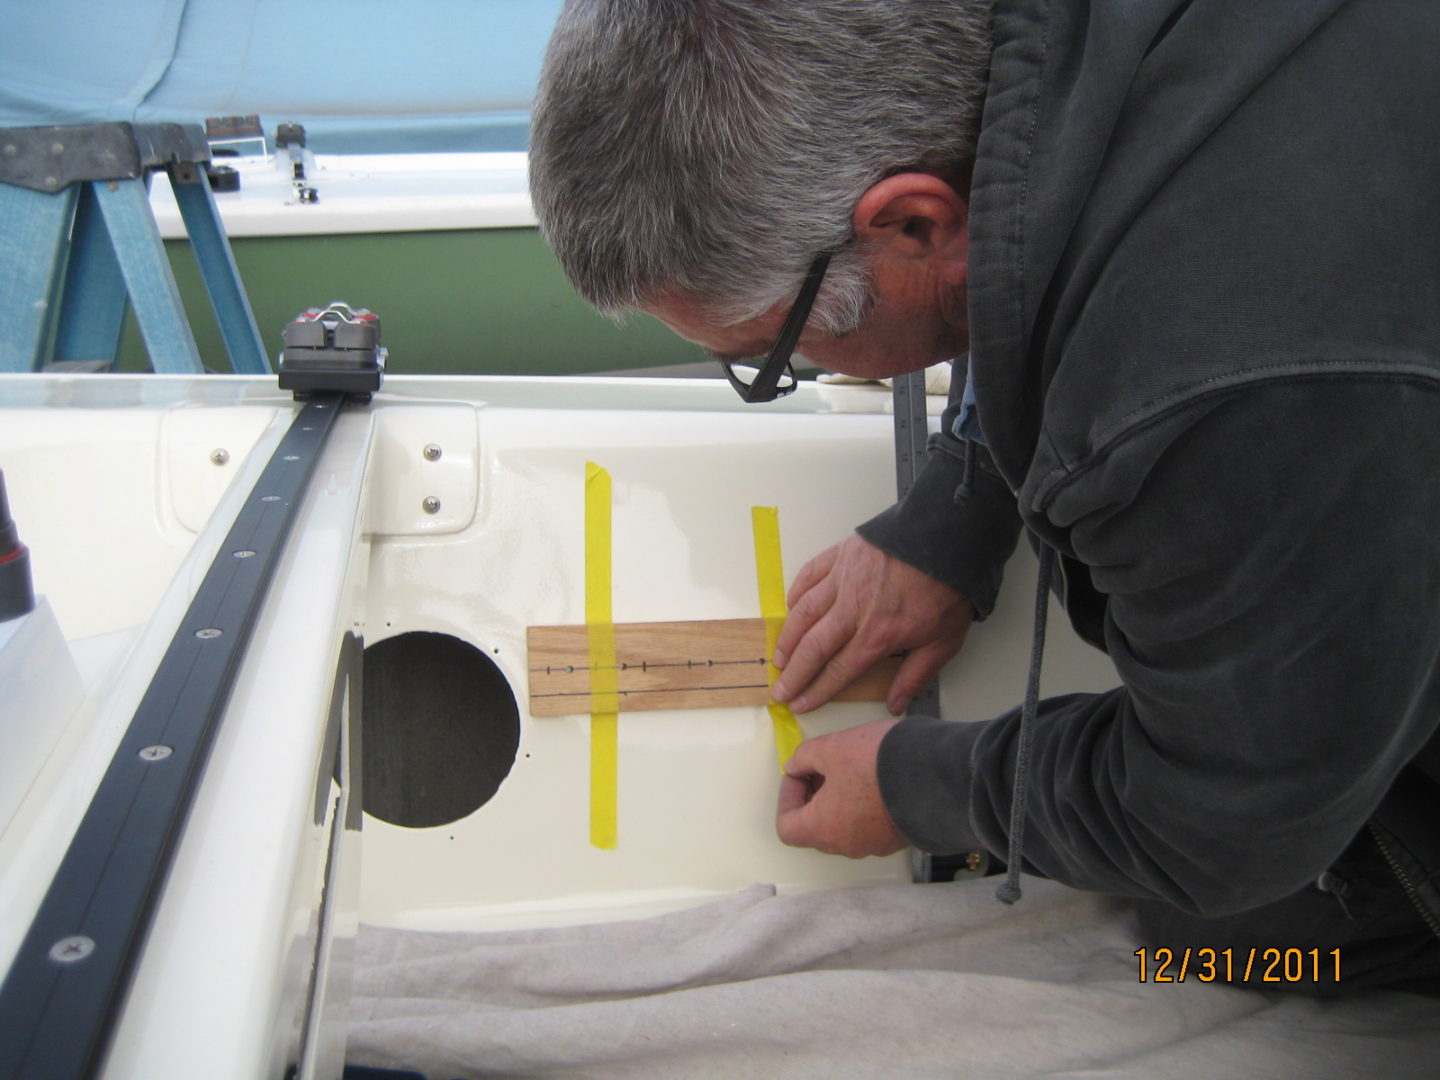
[1256, 966]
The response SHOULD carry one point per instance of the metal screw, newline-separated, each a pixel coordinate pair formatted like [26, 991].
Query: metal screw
[11, 150]
[69, 950]
[57, 148]
[219, 456]
[432, 452]
[155, 753]
[208, 634]
[242, 554]
[431, 504]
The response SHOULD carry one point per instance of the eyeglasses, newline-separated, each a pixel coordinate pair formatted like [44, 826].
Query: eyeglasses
[775, 377]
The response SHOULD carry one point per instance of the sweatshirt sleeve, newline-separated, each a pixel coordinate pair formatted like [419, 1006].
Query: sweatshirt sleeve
[1271, 567]
[958, 528]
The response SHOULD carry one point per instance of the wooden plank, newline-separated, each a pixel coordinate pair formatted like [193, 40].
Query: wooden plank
[703, 664]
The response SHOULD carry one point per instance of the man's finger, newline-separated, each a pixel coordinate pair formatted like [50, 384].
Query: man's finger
[811, 573]
[803, 826]
[795, 827]
[813, 605]
[917, 670]
[844, 667]
[795, 792]
[821, 646]
[796, 822]
[808, 760]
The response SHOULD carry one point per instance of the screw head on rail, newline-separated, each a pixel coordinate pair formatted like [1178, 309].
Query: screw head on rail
[70, 950]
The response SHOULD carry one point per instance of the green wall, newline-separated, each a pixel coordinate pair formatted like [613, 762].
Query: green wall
[478, 301]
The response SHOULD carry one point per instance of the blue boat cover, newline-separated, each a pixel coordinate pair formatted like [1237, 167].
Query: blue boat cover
[372, 76]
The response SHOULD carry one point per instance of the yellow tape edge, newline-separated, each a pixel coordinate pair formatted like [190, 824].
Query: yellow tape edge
[604, 684]
[770, 579]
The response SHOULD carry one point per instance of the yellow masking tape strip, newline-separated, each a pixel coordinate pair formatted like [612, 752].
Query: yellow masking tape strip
[604, 696]
[770, 574]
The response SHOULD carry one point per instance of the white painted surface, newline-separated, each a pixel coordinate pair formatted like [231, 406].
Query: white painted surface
[41, 691]
[240, 915]
[117, 665]
[108, 496]
[367, 193]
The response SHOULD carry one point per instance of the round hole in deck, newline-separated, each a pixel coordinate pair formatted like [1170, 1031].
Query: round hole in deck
[440, 729]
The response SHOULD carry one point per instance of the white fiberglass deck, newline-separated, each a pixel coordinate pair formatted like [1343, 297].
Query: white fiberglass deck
[366, 193]
[123, 488]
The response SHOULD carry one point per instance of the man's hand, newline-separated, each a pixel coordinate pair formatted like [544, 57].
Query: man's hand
[830, 798]
[852, 605]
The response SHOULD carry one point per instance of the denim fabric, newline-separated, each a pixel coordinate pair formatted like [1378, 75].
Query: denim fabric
[1373, 926]
[966, 425]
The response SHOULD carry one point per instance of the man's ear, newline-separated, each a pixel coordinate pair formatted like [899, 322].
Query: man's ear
[917, 215]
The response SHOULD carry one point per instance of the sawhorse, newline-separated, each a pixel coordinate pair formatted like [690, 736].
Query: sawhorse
[77, 237]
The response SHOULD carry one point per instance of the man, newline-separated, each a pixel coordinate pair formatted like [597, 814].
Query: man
[1194, 252]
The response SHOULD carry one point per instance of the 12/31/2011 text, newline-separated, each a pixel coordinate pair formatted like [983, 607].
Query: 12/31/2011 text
[1257, 965]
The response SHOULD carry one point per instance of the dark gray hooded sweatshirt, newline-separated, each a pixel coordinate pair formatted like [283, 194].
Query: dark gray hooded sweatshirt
[1205, 306]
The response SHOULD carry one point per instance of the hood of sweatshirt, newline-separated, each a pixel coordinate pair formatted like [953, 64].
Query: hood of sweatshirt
[1137, 180]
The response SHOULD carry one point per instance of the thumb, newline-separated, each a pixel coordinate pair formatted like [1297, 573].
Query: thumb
[796, 821]
[808, 759]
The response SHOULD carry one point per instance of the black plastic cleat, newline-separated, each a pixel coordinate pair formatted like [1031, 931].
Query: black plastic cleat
[335, 348]
[17, 591]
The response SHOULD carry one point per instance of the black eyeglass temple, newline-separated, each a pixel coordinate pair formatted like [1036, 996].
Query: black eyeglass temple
[767, 379]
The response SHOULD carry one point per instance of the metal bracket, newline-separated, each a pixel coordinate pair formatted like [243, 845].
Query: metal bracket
[49, 159]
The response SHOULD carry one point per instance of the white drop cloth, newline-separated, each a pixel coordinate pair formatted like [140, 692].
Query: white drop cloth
[891, 981]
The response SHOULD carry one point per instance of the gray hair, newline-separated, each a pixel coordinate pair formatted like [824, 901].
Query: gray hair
[712, 148]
